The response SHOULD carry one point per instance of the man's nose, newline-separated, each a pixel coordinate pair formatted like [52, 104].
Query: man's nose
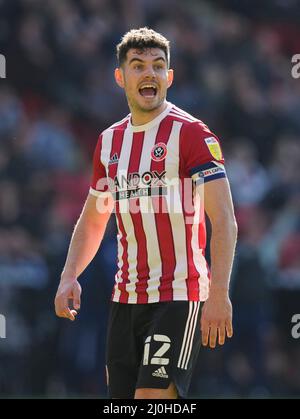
[149, 71]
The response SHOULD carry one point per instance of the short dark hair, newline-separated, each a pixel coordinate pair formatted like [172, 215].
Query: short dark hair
[142, 38]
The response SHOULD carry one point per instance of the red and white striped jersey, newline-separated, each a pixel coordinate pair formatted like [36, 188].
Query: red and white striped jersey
[152, 170]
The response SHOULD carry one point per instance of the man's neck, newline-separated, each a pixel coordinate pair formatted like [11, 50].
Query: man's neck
[142, 118]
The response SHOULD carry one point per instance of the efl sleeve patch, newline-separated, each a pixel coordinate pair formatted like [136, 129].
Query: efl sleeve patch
[214, 147]
[207, 172]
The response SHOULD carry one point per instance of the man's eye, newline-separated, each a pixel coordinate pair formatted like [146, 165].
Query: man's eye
[137, 67]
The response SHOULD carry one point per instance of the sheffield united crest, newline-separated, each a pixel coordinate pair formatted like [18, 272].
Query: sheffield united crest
[159, 152]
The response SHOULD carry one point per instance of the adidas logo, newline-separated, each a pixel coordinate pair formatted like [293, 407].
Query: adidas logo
[161, 372]
[114, 159]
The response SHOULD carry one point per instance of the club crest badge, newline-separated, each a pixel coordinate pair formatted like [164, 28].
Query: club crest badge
[159, 152]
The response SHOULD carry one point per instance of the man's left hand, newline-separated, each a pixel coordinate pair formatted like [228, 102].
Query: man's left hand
[216, 319]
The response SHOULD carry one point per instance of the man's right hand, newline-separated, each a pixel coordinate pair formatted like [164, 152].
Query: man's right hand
[67, 290]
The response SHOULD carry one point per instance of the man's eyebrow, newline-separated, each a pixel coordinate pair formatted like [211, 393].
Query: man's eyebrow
[160, 58]
[135, 59]
[142, 61]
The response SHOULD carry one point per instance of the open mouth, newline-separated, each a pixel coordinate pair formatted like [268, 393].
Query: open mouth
[148, 91]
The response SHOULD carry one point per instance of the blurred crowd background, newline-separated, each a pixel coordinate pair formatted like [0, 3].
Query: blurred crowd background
[232, 64]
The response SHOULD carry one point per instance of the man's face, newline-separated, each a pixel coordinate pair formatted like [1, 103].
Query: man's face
[145, 78]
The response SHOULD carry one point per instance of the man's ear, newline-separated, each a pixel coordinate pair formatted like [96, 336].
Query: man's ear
[119, 77]
[170, 77]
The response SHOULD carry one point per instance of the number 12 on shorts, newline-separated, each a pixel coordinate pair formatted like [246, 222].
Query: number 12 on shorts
[158, 358]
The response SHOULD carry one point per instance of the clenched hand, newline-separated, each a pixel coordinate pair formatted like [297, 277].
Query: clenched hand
[67, 290]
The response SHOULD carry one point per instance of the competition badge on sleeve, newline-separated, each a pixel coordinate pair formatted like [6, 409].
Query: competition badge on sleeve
[214, 147]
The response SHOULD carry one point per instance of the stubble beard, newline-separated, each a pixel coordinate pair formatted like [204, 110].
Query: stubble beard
[135, 106]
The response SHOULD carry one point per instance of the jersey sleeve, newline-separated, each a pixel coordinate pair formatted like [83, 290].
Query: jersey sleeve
[201, 153]
[99, 182]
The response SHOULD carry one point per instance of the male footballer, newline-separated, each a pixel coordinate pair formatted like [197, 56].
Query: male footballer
[161, 170]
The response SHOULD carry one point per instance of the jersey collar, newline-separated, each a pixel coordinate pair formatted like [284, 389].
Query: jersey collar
[155, 121]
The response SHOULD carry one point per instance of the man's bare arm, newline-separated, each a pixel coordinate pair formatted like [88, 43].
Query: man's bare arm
[216, 320]
[86, 239]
